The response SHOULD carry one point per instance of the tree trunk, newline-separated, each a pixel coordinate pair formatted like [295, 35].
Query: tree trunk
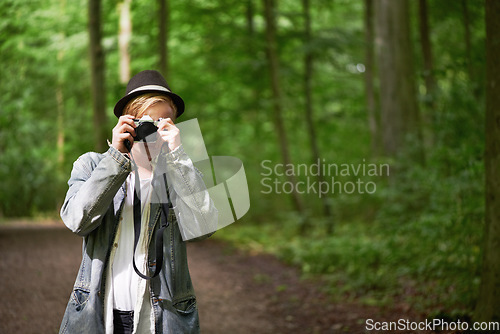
[373, 120]
[468, 48]
[163, 19]
[249, 18]
[398, 101]
[60, 101]
[430, 82]
[308, 75]
[60, 126]
[425, 43]
[473, 77]
[97, 74]
[273, 62]
[61, 119]
[124, 40]
[251, 46]
[488, 305]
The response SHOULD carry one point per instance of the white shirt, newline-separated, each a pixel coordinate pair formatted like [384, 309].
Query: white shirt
[124, 279]
[125, 289]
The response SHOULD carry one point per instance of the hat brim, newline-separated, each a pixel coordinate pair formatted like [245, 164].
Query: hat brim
[120, 105]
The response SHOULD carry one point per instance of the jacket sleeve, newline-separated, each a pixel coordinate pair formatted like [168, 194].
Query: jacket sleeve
[94, 181]
[195, 210]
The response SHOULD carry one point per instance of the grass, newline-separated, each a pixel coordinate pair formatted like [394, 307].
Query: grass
[430, 263]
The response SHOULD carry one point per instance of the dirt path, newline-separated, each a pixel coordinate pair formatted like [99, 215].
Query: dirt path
[237, 293]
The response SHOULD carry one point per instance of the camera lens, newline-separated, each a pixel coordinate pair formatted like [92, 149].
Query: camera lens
[144, 130]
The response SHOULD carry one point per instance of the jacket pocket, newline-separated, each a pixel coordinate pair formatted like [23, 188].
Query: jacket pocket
[80, 297]
[186, 305]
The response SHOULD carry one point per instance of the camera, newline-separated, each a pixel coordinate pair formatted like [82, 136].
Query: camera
[145, 130]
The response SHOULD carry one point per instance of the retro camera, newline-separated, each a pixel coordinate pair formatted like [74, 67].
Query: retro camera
[145, 127]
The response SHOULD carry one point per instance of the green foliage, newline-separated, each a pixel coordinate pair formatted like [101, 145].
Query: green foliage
[430, 261]
[417, 240]
[417, 236]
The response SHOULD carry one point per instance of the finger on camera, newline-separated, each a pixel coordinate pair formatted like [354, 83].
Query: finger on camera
[162, 125]
[126, 119]
[127, 137]
[127, 128]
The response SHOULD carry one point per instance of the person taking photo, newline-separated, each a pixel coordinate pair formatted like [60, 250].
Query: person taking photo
[135, 206]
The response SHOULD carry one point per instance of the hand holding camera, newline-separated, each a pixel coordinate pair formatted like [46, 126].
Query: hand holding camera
[169, 133]
[129, 130]
[122, 132]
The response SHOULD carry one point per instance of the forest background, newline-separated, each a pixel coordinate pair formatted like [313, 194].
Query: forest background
[313, 82]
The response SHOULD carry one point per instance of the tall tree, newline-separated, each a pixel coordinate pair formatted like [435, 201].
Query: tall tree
[311, 129]
[488, 305]
[253, 72]
[468, 47]
[274, 68]
[60, 97]
[249, 18]
[373, 117]
[97, 64]
[60, 143]
[398, 101]
[163, 19]
[471, 70]
[425, 44]
[124, 36]
[428, 72]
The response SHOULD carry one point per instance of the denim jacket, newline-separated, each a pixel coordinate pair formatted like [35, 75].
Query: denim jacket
[92, 209]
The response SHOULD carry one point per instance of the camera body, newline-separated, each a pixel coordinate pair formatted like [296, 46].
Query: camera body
[145, 127]
[145, 130]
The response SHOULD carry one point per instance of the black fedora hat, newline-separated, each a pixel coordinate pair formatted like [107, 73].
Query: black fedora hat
[148, 81]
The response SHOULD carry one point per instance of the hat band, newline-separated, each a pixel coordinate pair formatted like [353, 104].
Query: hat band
[150, 87]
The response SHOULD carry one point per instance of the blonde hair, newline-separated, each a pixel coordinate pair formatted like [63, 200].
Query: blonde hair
[138, 106]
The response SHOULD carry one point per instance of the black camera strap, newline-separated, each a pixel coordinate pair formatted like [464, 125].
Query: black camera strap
[164, 221]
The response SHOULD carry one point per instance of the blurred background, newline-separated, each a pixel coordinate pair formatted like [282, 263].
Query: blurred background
[279, 84]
